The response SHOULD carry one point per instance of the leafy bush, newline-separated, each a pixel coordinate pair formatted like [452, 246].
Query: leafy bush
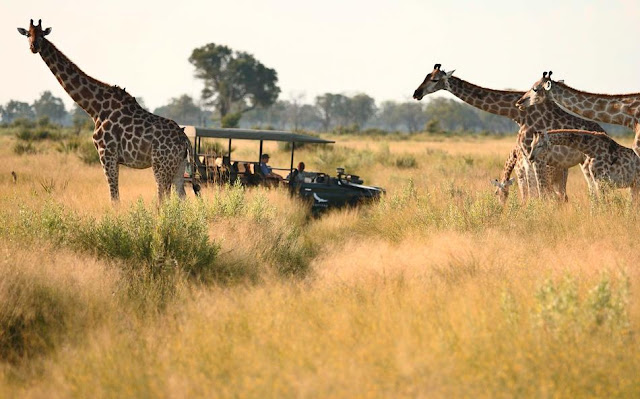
[406, 162]
[69, 145]
[156, 252]
[231, 120]
[347, 129]
[22, 148]
[88, 154]
[228, 201]
[561, 310]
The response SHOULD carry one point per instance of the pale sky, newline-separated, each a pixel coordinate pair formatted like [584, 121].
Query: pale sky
[382, 48]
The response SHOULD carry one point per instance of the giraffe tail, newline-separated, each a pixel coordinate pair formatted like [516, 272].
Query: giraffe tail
[191, 166]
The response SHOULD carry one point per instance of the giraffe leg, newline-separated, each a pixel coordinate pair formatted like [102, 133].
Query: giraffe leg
[537, 177]
[635, 191]
[588, 177]
[563, 185]
[522, 183]
[111, 171]
[558, 183]
[163, 176]
[178, 180]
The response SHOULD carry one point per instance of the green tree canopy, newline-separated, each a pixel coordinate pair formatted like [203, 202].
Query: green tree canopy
[361, 108]
[182, 110]
[234, 81]
[16, 109]
[332, 108]
[80, 119]
[51, 107]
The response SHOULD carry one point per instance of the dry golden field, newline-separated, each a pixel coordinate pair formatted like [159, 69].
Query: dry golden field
[435, 292]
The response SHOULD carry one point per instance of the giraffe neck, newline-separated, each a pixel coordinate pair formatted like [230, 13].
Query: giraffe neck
[583, 141]
[86, 91]
[493, 101]
[617, 109]
[509, 165]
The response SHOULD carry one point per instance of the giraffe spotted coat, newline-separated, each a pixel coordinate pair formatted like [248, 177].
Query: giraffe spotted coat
[125, 133]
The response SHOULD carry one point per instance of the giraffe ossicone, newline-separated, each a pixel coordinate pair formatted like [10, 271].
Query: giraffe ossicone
[547, 177]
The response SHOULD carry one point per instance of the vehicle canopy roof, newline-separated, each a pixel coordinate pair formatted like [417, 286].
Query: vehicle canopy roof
[250, 134]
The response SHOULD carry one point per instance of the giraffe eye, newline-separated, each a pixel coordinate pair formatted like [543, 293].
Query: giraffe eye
[435, 80]
[534, 89]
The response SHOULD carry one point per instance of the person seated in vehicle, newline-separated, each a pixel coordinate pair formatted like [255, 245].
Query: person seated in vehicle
[247, 168]
[297, 175]
[266, 170]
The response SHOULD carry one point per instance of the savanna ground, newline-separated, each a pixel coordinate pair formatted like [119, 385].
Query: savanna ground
[437, 291]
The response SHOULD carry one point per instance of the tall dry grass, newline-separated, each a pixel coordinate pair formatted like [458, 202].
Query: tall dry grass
[435, 291]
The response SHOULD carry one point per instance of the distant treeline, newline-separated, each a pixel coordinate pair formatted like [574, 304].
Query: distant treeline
[329, 112]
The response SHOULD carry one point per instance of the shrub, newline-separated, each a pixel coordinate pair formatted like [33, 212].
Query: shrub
[156, 252]
[406, 162]
[231, 120]
[228, 201]
[181, 235]
[22, 148]
[561, 311]
[68, 146]
[88, 154]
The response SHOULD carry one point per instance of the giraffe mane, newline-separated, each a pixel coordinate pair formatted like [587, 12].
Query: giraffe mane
[521, 93]
[562, 84]
[581, 132]
[73, 64]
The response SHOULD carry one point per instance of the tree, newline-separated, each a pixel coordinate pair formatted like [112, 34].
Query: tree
[182, 110]
[16, 109]
[389, 116]
[454, 115]
[49, 106]
[331, 107]
[412, 116]
[360, 109]
[274, 116]
[234, 81]
[80, 119]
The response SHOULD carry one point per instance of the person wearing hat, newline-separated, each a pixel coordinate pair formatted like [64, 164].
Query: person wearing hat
[266, 169]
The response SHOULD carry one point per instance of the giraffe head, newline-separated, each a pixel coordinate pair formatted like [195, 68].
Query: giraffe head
[502, 189]
[436, 80]
[539, 146]
[35, 34]
[539, 93]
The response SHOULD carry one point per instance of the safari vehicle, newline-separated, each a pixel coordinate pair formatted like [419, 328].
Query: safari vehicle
[318, 188]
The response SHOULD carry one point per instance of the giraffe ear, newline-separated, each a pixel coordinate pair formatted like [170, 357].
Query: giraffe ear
[547, 85]
[509, 182]
[46, 32]
[23, 31]
[495, 182]
[450, 73]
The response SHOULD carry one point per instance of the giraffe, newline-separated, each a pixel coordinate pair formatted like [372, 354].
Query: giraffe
[619, 109]
[501, 102]
[609, 163]
[125, 133]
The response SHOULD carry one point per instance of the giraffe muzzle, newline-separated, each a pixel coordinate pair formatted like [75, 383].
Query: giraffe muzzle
[522, 103]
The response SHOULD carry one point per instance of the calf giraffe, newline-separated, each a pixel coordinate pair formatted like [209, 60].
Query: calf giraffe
[609, 163]
[543, 117]
[125, 133]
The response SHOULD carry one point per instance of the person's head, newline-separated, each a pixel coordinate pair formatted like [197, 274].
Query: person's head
[301, 167]
[264, 158]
